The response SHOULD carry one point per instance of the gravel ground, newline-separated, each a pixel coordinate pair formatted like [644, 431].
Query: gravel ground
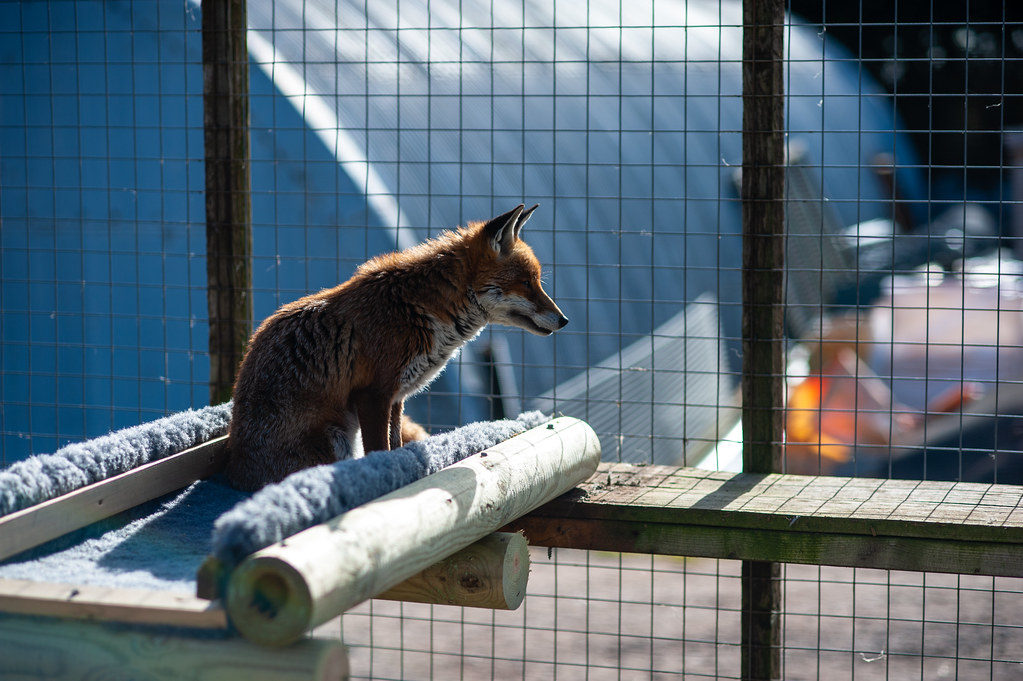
[600, 616]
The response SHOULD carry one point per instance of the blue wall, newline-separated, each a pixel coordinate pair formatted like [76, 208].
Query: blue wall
[103, 308]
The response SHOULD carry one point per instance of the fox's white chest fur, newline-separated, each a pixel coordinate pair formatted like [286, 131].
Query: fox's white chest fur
[448, 339]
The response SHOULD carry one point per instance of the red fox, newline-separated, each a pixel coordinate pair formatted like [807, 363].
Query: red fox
[325, 367]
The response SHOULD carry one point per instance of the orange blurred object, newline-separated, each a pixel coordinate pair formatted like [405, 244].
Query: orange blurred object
[847, 405]
[937, 340]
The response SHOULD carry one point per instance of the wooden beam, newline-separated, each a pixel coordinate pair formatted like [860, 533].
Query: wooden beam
[935, 526]
[763, 305]
[809, 548]
[48, 520]
[286, 589]
[763, 235]
[40, 648]
[130, 606]
[225, 62]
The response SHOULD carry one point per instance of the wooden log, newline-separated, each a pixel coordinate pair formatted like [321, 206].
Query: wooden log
[491, 573]
[130, 606]
[37, 524]
[39, 648]
[286, 589]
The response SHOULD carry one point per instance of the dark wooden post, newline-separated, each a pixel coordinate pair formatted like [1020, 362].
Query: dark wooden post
[763, 343]
[228, 209]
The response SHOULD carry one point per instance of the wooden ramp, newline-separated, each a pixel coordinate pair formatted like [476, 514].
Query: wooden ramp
[930, 526]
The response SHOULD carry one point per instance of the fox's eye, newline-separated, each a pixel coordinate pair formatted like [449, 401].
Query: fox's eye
[528, 283]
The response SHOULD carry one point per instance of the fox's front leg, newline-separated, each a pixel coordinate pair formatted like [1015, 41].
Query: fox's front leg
[394, 428]
[374, 421]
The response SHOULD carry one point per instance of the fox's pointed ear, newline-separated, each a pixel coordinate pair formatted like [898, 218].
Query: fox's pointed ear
[524, 218]
[501, 231]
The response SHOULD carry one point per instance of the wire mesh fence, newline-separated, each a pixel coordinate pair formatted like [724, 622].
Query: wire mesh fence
[599, 616]
[376, 125]
[588, 615]
[104, 314]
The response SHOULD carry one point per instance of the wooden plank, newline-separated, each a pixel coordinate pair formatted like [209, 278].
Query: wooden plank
[56, 650]
[899, 524]
[809, 548]
[37, 524]
[132, 606]
[911, 508]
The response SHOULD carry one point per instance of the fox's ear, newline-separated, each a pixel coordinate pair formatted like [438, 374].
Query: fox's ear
[523, 219]
[502, 231]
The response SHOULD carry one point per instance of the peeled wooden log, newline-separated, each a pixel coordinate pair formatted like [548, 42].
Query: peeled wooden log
[491, 573]
[280, 592]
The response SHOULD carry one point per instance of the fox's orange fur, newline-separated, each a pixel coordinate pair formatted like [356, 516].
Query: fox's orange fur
[325, 367]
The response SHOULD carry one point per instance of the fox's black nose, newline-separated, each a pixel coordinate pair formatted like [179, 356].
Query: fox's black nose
[562, 320]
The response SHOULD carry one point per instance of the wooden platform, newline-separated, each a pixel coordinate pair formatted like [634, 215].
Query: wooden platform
[929, 526]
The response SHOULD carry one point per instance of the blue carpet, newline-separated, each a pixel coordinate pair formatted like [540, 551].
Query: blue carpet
[160, 544]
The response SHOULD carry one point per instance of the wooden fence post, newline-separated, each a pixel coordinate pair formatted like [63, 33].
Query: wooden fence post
[228, 209]
[763, 342]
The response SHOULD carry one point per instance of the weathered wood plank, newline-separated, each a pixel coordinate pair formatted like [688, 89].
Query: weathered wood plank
[132, 606]
[810, 548]
[37, 524]
[40, 648]
[968, 511]
[899, 524]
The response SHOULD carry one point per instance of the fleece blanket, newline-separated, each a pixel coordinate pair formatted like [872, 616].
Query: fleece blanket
[160, 544]
[47, 476]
